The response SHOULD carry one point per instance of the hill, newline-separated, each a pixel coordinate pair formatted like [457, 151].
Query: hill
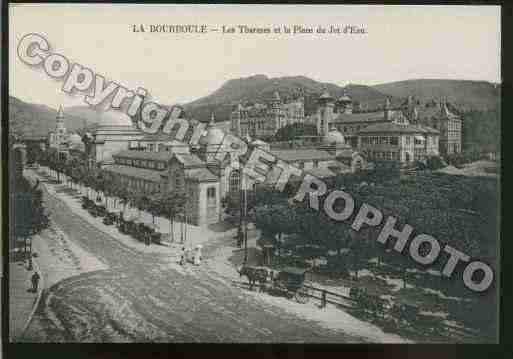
[37, 120]
[465, 95]
[262, 88]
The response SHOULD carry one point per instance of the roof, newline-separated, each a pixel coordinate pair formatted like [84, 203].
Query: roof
[161, 137]
[396, 128]
[347, 153]
[326, 95]
[135, 172]
[145, 155]
[360, 117]
[200, 175]
[189, 160]
[435, 111]
[320, 172]
[302, 154]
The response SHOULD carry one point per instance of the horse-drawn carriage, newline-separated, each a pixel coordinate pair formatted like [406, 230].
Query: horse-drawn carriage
[87, 203]
[288, 282]
[110, 218]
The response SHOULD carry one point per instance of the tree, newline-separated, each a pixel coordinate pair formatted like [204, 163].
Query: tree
[170, 204]
[153, 206]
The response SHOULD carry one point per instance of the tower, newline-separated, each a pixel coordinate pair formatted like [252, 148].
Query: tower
[324, 112]
[275, 110]
[58, 136]
[236, 119]
[346, 102]
[387, 109]
[59, 128]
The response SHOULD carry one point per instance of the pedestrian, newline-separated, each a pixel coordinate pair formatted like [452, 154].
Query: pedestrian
[35, 281]
[182, 258]
[323, 300]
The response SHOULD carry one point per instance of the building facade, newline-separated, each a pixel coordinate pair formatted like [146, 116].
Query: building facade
[418, 130]
[402, 142]
[438, 116]
[263, 120]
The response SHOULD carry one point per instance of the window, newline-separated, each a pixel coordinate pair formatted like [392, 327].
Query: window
[211, 193]
[234, 181]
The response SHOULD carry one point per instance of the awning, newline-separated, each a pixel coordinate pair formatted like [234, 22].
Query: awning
[420, 138]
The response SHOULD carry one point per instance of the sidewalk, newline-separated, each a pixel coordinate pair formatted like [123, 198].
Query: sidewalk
[21, 299]
[195, 235]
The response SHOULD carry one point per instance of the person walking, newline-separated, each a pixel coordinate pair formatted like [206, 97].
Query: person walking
[182, 258]
[323, 300]
[35, 281]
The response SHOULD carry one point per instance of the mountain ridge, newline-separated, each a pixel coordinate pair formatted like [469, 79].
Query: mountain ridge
[39, 119]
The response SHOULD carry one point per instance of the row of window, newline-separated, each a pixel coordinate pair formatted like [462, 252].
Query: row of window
[346, 129]
[159, 165]
[138, 183]
[380, 140]
[385, 155]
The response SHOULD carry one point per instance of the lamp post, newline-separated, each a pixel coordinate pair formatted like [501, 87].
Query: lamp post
[245, 226]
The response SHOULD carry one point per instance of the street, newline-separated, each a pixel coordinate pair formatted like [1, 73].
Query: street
[142, 298]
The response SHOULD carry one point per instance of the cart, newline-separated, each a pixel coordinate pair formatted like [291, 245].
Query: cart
[110, 218]
[290, 282]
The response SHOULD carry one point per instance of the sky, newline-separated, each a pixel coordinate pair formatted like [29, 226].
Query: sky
[400, 43]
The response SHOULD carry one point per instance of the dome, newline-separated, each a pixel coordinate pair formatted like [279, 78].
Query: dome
[213, 135]
[114, 118]
[344, 98]
[334, 137]
[75, 139]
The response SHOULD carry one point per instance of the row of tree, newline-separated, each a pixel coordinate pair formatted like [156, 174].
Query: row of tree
[94, 182]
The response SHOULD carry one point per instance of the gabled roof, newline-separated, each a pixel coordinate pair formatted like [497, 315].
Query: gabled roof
[436, 111]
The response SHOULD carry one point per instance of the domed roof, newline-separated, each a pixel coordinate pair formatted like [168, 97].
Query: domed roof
[213, 135]
[114, 118]
[325, 95]
[334, 137]
[345, 97]
[75, 138]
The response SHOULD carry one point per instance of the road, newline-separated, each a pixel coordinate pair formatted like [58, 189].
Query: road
[141, 299]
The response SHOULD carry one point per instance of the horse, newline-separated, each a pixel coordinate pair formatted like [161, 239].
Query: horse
[254, 274]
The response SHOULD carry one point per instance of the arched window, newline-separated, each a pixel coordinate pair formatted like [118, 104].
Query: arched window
[234, 184]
